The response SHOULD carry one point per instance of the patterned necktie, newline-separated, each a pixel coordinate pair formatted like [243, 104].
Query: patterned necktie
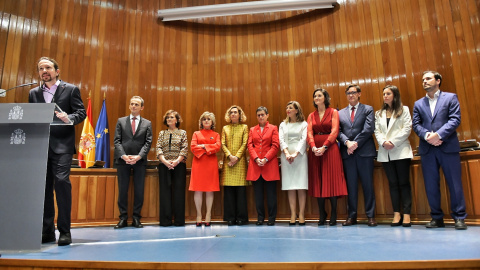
[352, 116]
[133, 125]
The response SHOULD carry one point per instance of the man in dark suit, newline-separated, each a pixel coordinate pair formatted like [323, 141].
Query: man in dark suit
[357, 124]
[61, 147]
[435, 120]
[133, 139]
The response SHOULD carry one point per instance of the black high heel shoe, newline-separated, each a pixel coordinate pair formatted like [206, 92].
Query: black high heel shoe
[396, 224]
[409, 224]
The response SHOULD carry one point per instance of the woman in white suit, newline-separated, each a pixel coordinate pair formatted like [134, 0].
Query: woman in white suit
[293, 144]
[393, 125]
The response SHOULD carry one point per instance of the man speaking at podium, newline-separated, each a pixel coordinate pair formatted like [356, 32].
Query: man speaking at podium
[61, 148]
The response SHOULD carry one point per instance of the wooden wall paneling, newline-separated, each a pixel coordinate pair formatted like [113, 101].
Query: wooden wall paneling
[100, 199]
[471, 23]
[74, 180]
[330, 81]
[466, 183]
[365, 67]
[418, 191]
[400, 80]
[11, 55]
[110, 197]
[422, 63]
[24, 75]
[120, 47]
[346, 26]
[22, 24]
[420, 210]
[473, 172]
[4, 20]
[376, 33]
[408, 85]
[116, 213]
[95, 56]
[471, 66]
[82, 198]
[147, 200]
[92, 188]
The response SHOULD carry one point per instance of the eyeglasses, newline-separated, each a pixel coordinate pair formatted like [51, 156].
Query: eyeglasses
[351, 93]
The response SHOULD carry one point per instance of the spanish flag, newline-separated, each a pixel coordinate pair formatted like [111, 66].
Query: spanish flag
[86, 152]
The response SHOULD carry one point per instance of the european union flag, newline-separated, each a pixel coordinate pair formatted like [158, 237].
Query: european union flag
[102, 137]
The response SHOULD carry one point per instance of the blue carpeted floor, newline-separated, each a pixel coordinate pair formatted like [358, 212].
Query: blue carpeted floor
[251, 243]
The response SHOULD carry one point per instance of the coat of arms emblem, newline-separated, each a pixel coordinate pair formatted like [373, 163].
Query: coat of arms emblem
[16, 113]
[18, 137]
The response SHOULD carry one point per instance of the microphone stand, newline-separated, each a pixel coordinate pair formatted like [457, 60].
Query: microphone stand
[3, 92]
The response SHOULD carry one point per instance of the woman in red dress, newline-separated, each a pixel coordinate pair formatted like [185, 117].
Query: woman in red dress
[204, 178]
[325, 169]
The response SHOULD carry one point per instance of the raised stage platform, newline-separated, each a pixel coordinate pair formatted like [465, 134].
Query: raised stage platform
[258, 247]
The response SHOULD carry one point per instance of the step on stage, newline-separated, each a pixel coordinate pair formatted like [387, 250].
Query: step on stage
[258, 247]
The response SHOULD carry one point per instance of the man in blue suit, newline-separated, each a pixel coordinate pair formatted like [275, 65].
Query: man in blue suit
[357, 124]
[435, 120]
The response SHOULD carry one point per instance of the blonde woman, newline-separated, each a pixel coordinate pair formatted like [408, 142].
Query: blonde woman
[293, 144]
[234, 144]
[204, 179]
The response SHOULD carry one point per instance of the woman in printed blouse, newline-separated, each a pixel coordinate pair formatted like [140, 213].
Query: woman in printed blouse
[234, 144]
[204, 179]
[172, 151]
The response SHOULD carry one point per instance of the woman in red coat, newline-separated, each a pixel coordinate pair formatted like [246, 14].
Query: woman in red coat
[263, 171]
[205, 144]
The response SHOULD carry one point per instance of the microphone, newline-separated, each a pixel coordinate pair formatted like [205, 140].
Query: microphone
[3, 92]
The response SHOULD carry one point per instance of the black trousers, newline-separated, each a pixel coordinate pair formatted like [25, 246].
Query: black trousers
[357, 167]
[270, 188]
[172, 185]
[398, 174]
[58, 179]
[123, 173]
[235, 203]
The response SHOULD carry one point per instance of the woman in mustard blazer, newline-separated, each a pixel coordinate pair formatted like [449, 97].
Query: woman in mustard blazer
[393, 125]
[263, 171]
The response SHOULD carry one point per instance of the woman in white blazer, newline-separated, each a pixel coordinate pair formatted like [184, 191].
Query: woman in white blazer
[393, 125]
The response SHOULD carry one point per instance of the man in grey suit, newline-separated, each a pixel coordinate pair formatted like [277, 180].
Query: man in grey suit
[133, 139]
[357, 124]
[61, 147]
[436, 118]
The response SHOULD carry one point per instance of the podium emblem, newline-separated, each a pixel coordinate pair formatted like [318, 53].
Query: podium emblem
[18, 137]
[16, 113]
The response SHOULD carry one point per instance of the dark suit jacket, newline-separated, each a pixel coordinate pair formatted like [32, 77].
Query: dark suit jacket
[361, 131]
[128, 144]
[263, 145]
[445, 121]
[67, 97]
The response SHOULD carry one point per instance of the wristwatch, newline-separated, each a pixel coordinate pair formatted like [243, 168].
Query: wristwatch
[326, 147]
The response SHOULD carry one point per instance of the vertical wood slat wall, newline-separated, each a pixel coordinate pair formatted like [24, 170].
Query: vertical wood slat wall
[119, 48]
[95, 197]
